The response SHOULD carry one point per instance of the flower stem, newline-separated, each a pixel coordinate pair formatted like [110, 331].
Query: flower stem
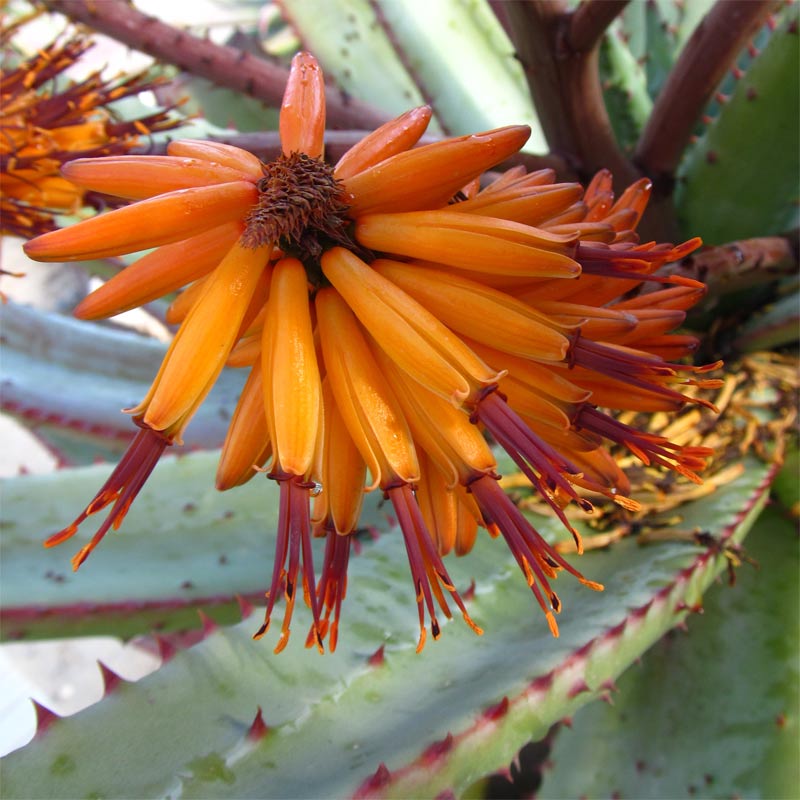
[589, 22]
[225, 66]
[565, 82]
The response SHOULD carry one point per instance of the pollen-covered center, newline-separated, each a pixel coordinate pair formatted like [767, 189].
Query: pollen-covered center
[300, 208]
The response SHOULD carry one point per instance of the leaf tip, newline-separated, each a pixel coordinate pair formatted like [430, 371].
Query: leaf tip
[258, 728]
[110, 678]
[378, 658]
[44, 717]
[496, 711]
[209, 626]
[166, 650]
[579, 687]
[438, 750]
[246, 608]
[378, 780]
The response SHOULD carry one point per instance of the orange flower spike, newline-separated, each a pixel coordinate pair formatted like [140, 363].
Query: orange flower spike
[161, 272]
[429, 176]
[470, 308]
[139, 177]
[474, 248]
[292, 370]
[224, 155]
[148, 223]
[418, 342]
[393, 137]
[369, 409]
[206, 336]
[302, 117]
[247, 445]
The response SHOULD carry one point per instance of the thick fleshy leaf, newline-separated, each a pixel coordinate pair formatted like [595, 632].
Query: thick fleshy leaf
[722, 195]
[404, 725]
[78, 376]
[738, 737]
[183, 545]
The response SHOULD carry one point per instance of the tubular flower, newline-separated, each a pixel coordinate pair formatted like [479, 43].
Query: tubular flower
[41, 128]
[390, 312]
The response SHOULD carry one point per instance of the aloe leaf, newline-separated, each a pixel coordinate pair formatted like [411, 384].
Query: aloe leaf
[624, 90]
[453, 55]
[776, 326]
[353, 49]
[655, 33]
[722, 196]
[78, 376]
[738, 737]
[786, 487]
[183, 545]
[396, 724]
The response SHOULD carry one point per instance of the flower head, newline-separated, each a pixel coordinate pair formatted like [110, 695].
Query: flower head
[42, 126]
[390, 312]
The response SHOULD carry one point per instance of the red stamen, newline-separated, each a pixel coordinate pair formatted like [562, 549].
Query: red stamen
[425, 562]
[121, 488]
[332, 587]
[544, 467]
[647, 447]
[536, 558]
[294, 539]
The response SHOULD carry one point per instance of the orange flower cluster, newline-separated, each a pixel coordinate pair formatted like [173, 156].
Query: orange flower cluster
[42, 127]
[390, 311]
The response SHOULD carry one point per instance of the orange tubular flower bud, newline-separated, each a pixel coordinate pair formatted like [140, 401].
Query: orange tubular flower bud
[532, 207]
[203, 343]
[343, 468]
[527, 252]
[443, 431]
[291, 372]
[369, 409]
[429, 176]
[412, 337]
[393, 137]
[246, 351]
[139, 177]
[471, 308]
[247, 443]
[225, 155]
[302, 118]
[439, 506]
[180, 307]
[148, 223]
[161, 272]
[541, 377]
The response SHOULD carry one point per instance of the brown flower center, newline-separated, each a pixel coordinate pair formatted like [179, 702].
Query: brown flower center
[301, 209]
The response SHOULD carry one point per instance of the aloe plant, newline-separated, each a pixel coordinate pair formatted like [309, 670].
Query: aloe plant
[603, 84]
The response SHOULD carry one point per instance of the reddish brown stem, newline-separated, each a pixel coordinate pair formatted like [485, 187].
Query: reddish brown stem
[565, 82]
[589, 22]
[225, 66]
[739, 265]
[708, 54]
